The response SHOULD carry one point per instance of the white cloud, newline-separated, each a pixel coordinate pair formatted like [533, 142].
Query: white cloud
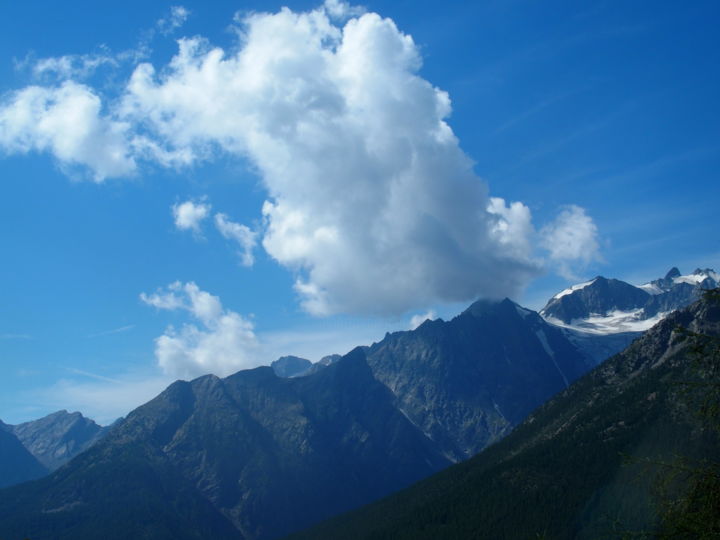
[417, 320]
[511, 227]
[118, 330]
[72, 66]
[177, 17]
[371, 202]
[68, 122]
[222, 343]
[245, 238]
[571, 240]
[337, 9]
[189, 215]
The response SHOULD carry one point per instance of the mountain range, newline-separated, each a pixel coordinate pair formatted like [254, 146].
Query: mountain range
[590, 462]
[603, 316]
[33, 449]
[269, 451]
[57, 438]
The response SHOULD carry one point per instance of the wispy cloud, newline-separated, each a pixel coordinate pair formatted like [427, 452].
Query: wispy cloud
[93, 375]
[535, 109]
[242, 235]
[174, 20]
[113, 331]
[15, 336]
[103, 399]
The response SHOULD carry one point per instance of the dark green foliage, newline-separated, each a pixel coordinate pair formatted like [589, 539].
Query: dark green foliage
[112, 493]
[577, 467]
[695, 511]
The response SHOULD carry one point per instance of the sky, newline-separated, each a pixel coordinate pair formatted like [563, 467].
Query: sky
[193, 188]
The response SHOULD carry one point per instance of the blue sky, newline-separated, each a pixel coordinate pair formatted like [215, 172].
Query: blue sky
[358, 174]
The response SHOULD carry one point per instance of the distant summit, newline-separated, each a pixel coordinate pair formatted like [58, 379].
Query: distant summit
[603, 316]
[58, 437]
[291, 366]
[16, 463]
[610, 306]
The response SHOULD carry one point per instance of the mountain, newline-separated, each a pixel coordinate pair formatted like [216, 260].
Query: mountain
[584, 465]
[252, 455]
[57, 438]
[606, 306]
[324, 362]
[258, 456]
[16, 463]
[467, 382]
[290, 366]
[603, 316]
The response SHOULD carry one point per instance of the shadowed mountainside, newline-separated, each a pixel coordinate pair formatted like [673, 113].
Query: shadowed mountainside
[564, 472]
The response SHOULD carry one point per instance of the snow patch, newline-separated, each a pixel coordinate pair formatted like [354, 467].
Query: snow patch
[613, 323]
[650, 288]
[697, 277]
[574, 288]
[544, 342]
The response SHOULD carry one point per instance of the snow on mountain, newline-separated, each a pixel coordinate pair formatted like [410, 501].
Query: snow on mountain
[651, 288]
[613, 322]
[602, 316]
[698, 276]
[707, 277]
[574, 288]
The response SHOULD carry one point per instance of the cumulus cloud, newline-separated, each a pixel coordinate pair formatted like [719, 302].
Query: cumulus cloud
[189, 215]
[571, 240]
[371, 202]
[241, 234]
[68, 122]
[219, 341]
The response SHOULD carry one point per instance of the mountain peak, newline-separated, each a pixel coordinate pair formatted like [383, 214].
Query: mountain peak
[673, 273]
[484, 306]
[290, 366]
[58, 437]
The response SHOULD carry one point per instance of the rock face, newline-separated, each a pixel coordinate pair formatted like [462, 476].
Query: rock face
[57, 438]
[600, 296]
[16, 463]
[258, 456]
[467, 382]
[291, 366]
[578, 466]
